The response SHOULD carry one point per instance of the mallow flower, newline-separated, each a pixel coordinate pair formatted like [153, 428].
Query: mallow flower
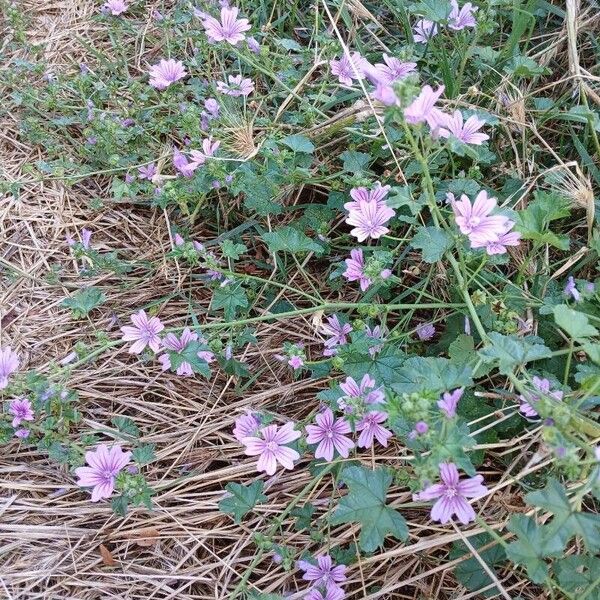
[271, 447]
[104, 466]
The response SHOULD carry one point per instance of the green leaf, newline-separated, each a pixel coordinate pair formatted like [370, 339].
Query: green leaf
[508, 352]
[84, 301]
[299, 143]
[190, 355]
[576, 324]
[567, 522]
[432, 374]
[126, 425]
[469, 572]
[232, 250]
[365, 504]
[534, 221]
[242, 500]
[355, 162]
[303, 516]
[578, 573]
[434, 10]
[290, 239]
[119, 505]
[144, 454]
[433, 242]
[230, 297]
[532, 546]
[383, 367]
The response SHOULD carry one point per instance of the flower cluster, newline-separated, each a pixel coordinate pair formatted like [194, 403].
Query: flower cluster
[459, 18]
[484, 230]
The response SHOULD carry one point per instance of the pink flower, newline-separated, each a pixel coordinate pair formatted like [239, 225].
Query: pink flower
[114, 7]
[460, 18]
[253, 45]
[22, 433]
[324, 573]
[362, 194]
[295, 362]
[394, 69]
[212, 106]
[166, 72]
[467, 132]
[348, 68]
[452, 494]
[147, 172]
[9, 363]
[329, 434]
[229, 29]
[271, 449]
[424, 30]
[504, 238]
[529, 401]
[175, 344]
[182, 164]
[369, 216]
[422, 108]
[237, 86]
[332, 592]
[144, 332]
[208, 149]
[570, 290]
[338, 333]
[245, 426]
[370, 426]
[361, 392]
[21, 410]
[104, 466]
[376, 333]
[449, 402]
[355, 269]
[476, 220]
[425, 331]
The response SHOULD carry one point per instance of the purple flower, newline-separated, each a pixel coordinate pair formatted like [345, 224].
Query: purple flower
[449, 402]
[114, 7]
[504, 237]
[129, 178]
[476, 220]
[9, 363]
[166, 72]
[104, 466]
[245, 426]
[355, 269]
[338, 333]
[570, 289]
[527, 402]
[376, 333]
[370, 427]
[83, 68]
[354, 392]
[22, 433]
[229, 29]
[424, 30]
[460, 18]
[348, 68]
[21, 410]
[182, 164]
[208, 149]
[394, 69]
[147, 172]
[295, 362]
[212, 106]
[92, 140]
[237, 86]
[144, 332]
[369, 213]
[451, 495]
[466, 132]
[329, 434]
[157, 15]
[253, 45]
[425, 331]
[271, 448]
[332, 592]
[422, 108]
[324, 573]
